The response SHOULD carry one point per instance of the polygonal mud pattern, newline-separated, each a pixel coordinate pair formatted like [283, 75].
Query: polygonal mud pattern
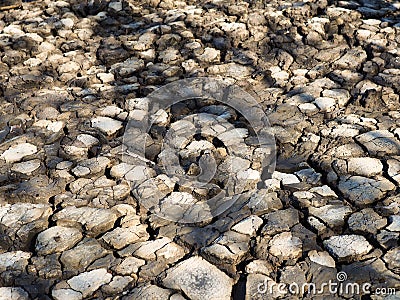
[73, 73]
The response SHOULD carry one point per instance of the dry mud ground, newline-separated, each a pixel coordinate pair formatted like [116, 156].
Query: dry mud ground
[73, 222]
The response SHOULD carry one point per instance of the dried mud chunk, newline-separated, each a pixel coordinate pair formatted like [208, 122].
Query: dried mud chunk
[347, 247]
[380, 143]
[364, 191]
[199, 280]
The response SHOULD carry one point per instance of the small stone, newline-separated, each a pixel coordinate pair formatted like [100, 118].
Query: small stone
[272, 185]
[394, 223]
[279, 221]
[380, 143]
[89, 282]
[82, 255]
[117, 285]
[324, 191]
[233, 136]
[347, 247]
[80, 171]
[388, 239]
[106, 78]
[49, 113]
[160, 117]
[148, 291]
[263, 201]
[309, 175]
[56, 126]
[392, 259]
[248, 226]
[344, 130]
[169, 56]
[322, 258]
[177, 204]
[15, 260]
[129, 266]
[363, 34]
[280, 76]
[285, 246]
[230, 247]
[171, 252]
[199, 280]
[316, 224]
[107, 125]
[352, 59]
[13, 293]
[394, 168]
[342, 96]
[26, 167]
[92, 166]
[18, 152]
[325, 104]
[363, 191]
[209, 55]
[120, 237]
[364, 166]
[47, 266]
[57, 239]
[151, 250]
[21, 222]
[331, 215]
[259, 266]
[117, 6]
[67, 22]
[285, 178]
[366, 221]
[111, 111]
[119, 171]
[68, 67]
[308, 107]
[87, 140]
[66, 294]
[94, 220]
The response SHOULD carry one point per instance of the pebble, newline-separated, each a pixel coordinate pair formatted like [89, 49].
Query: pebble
[57, 239]
[285, 246]
[18, 152]
[13, 293]
[285, 178]
[186, 276]
[88, 282]
[394, 223]
[248, 226]
[322, 258]
[27, 167]
[380, 143]
[347, 247]
[364, 191]
[366, 221]
[332, 215]
[15, 260]
[107, 125]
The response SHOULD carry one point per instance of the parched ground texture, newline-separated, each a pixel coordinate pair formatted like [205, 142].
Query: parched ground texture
[72, 73]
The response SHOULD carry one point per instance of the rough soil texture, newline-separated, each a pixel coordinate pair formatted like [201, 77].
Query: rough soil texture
[72, 73]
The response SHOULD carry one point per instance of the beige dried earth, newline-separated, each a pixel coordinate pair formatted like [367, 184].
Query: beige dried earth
[79, 220]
